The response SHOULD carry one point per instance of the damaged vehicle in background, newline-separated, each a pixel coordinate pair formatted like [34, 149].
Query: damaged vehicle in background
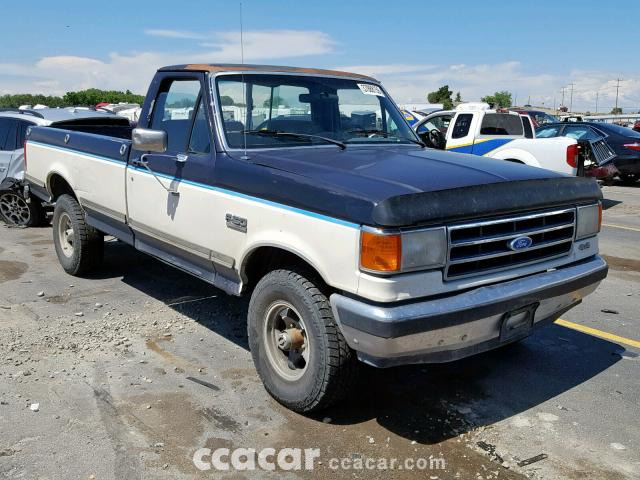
[477, 129]
[15, 209]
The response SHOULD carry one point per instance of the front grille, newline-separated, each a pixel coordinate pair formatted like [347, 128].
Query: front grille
[602, 152]
[483, 247]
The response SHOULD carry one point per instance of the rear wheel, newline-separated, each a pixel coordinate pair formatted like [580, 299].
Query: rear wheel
[79, 246]
[15, 210]
[296, 345]
[628, 178]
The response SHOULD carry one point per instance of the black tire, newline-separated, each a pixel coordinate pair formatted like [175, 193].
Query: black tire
[83, 249]
[331, 368]
[628, 179]
[15, 210]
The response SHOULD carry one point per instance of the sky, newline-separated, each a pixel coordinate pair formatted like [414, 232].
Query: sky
[477, 47]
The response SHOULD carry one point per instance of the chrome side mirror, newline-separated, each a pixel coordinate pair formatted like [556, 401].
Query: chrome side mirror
[147, 140]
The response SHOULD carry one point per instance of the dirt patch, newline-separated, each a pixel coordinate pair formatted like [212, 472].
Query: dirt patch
[11, 270]
[59, 299]
[41, 242]
[624, 264]
[173, 426]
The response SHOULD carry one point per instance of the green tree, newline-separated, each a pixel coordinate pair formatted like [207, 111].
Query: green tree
[499, 99]
[443, 96]
[277, 102]
[458, 97]
[226, 100]
[616, 111]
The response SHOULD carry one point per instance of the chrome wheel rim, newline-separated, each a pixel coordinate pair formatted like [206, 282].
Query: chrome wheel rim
[14, 209]
[66, 235]
[286, 343]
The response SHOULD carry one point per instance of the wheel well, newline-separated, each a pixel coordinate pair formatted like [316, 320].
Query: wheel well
[59, 186]
[265, 259]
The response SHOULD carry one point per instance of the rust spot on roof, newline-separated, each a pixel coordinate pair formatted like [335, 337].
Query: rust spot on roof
[220, 68]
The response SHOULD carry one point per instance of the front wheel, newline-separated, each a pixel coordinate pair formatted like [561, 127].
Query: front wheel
[79, 246]
[15, 210]
[296, 345]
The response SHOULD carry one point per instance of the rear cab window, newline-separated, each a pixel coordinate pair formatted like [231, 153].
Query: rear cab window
[501, 124]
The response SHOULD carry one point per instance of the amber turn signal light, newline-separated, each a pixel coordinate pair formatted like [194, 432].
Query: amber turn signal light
[380, 253]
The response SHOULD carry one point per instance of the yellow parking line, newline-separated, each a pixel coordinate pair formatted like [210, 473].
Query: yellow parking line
[621, 226]
[598, 333]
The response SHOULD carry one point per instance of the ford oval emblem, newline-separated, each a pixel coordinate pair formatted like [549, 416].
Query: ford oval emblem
[520, 243]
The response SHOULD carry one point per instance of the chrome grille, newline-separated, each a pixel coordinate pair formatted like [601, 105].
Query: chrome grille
[483, 247]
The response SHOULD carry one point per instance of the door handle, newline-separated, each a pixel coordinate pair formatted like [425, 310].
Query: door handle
[141, 162]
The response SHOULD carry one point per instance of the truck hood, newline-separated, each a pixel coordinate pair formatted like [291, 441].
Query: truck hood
[396, 186]
[381, 172]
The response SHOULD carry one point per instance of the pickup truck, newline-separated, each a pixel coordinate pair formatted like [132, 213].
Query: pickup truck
[476, 129]
[307, 190]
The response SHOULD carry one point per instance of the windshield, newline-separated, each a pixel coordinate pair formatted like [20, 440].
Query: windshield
[255, 108]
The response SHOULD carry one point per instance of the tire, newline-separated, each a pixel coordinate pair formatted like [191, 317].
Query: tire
[79, 246]
[15, 210]
[628, 179]
[327, 373]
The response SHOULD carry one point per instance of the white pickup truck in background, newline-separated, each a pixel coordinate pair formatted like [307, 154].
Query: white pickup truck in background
[476, 129]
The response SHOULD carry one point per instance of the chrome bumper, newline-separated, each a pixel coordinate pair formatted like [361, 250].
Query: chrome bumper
[456, 326]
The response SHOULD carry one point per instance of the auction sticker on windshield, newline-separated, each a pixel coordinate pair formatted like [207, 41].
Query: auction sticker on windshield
[369, 89]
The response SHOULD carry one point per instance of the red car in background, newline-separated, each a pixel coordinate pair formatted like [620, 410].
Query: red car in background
[636, 126]
[538, 117]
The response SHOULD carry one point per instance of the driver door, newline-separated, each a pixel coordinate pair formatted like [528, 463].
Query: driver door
[167, 194]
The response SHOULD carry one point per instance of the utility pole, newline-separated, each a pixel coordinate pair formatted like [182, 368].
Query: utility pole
[597, 95]
[617, 90]
[571, 98]
[562, 102]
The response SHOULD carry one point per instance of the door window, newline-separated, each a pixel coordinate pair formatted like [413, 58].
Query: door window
[462, 125]
[580, 132]
[7, 134]
[547, 132]
[174, 111]
[200, 140]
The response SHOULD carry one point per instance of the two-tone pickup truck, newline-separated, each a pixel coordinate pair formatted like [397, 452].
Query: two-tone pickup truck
[307, 190]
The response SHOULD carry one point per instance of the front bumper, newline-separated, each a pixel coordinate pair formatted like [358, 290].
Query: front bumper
[452, 327]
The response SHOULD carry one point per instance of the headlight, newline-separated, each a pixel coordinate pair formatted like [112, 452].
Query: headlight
[384, 252]
[588, 221]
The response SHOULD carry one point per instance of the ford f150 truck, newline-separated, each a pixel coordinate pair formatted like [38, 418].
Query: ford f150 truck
[307, 190]
[476, 129]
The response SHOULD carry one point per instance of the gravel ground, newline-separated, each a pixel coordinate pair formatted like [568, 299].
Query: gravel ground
[127, 373]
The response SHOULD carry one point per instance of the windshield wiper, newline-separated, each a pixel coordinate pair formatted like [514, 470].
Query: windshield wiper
[277, 133]
[384, 134]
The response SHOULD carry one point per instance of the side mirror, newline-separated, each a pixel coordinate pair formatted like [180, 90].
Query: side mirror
[148, 140]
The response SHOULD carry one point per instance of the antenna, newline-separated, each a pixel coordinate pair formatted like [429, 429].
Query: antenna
[244, 89]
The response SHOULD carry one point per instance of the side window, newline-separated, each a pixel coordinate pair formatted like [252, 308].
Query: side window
[580, 133]
[7, 134]
[528, 129]
[547, 132]
[200, 140]
[462, 125]
[174, 111]
[501, 124]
